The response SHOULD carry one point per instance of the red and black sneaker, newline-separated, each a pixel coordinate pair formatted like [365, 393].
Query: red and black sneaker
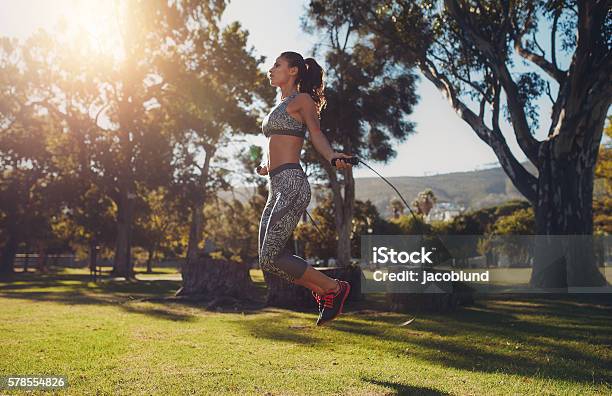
[319, 301]
[333, 303]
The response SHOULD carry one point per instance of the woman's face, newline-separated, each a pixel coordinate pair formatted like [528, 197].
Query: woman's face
[280, 73]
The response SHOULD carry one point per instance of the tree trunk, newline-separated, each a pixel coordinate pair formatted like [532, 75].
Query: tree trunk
[93, 258]
[42, 258]
[7, 261]
[207, 278]
[123, 256]
[204, 277]
[150, 259]
[343, 251]
[127, 114]
[197, 212]
[195, 231]
[343, 215]
[564, 255]
[26, 259]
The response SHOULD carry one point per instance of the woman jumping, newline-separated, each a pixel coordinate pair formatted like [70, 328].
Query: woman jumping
[301, 84]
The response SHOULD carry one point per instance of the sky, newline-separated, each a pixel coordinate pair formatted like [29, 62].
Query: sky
[443, 143]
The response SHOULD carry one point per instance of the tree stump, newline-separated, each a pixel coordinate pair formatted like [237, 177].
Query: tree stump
[209, 278]
[453, 294]
[288, 295]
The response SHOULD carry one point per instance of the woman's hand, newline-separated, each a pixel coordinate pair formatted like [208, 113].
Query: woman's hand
[339, 163]
[262, 170]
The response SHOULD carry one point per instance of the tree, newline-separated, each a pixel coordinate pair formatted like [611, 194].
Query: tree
[397, 207]
[145, 28]
[104, 103]
[368, 102]
[213, 92]
[213, 82]
[520, 222]
[319, 239]
[409, 225]
[158, 224]
[424, 202]
[602, 203]
[233, 227]
[66, 83]
[506, 232]
[26, 163]
[367, 220]
[479, 223]
[466, 50]
[87, 222]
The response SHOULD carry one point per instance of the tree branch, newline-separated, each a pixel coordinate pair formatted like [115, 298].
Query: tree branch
[495, 112]
[539, 60]
[526, 141]
[548, 92]
[481, 112]
[100, 112]
[348, 33]
[535, 41]
[524, 181]
[457, 74]
[553, 39]
[588, 84]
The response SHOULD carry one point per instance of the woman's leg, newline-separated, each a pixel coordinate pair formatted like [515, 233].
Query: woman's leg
[317, 281]
[289, 197]
[291, 267]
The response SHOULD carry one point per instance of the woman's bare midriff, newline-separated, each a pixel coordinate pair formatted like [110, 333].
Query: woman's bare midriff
[283, 149]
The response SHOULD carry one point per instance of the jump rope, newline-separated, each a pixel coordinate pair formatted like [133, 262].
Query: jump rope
[357, 161]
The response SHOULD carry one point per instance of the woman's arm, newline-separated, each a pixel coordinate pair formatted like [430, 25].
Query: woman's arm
[308, 112]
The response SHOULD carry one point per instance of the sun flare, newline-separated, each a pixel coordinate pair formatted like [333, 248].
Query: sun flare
[93, 23]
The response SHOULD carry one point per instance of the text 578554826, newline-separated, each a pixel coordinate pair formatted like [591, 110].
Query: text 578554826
[32, 382]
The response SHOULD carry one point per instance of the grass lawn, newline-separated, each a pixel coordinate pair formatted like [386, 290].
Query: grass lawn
[106, 341]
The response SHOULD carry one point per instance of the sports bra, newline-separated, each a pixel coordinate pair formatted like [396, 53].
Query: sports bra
[279, 122]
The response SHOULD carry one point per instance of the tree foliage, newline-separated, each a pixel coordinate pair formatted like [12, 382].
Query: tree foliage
[424, 202]
[602, 202]
[103, 149]
[369, 100]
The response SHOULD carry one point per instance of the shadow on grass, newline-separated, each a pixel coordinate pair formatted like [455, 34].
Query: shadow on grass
[543, 337]
[561, 338]
[78, 289]
[406, 390]
[287, 326]
[556, 337]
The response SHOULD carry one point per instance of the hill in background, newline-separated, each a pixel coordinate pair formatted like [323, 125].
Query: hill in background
[472, 190]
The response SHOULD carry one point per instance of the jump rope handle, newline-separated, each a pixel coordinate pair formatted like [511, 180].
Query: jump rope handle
[351, 160]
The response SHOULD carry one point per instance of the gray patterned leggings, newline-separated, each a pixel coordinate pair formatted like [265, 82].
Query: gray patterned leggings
[288, 198]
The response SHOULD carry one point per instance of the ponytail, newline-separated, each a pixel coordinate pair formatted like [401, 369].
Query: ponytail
[310, 77]
[312, 83]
